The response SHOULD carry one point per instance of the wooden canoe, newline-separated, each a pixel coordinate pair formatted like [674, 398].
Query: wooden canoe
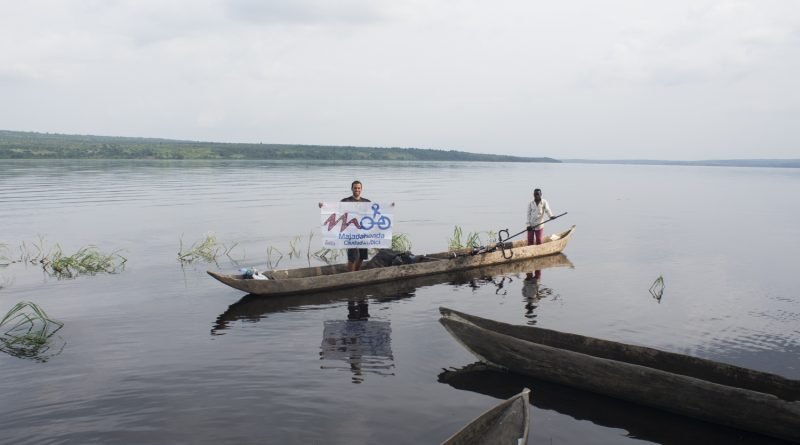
[640, 422]
[322, 278]
[703, 389]
[506, 423]
[257, 307]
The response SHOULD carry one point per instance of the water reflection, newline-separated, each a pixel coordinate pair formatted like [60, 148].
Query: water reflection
[360, 342]
[364, 345]
[640, 422]
[533, 292]
[254, 308]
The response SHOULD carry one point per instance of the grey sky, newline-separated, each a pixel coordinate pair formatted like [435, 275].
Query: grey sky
[683, 79]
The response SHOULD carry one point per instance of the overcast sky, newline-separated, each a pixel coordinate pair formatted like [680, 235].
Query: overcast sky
[679, 79]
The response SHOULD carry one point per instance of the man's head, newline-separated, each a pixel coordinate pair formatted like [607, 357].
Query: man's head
[356, 188]
[537, 195]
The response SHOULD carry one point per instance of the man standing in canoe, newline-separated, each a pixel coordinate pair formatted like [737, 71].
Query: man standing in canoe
[536, 211]
[355, 256]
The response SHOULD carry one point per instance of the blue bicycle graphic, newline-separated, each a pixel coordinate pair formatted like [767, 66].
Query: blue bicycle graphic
[368, 222]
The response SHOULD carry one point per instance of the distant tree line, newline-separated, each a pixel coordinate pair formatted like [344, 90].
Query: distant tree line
[772, 163]
[29, 145]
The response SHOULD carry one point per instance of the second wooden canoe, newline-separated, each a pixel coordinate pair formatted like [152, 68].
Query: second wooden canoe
[703, 389]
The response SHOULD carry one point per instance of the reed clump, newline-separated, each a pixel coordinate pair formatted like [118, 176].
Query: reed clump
[275, 255]
[325, 254]
[207, 249]
[5, 260]
[34, 253]
[86, 261]
[472, 240]
[401, 242]
[26, 331]
[294, 250]
[328, 256]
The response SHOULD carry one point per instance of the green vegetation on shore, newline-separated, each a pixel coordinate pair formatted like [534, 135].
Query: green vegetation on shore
[28, 145]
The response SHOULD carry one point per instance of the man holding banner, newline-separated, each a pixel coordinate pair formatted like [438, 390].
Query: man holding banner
[356, 256]
[355, 223]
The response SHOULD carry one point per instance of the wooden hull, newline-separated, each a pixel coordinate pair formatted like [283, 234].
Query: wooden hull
[506, 423]
[257, 307]
[640, 422]
[716, 392]
[323, 278]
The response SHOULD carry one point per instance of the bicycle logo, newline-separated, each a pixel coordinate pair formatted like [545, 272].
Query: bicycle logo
[368, 222]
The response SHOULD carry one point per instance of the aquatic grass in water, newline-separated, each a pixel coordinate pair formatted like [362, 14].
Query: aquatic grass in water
[293, 250]
[455, 241]
[208, 249]
[400, 242]
[5, 260]
[86, 261]
[310, 237]
[27, 254]
[327, 256]
[274, 257]
[26, 332]
[473, 239]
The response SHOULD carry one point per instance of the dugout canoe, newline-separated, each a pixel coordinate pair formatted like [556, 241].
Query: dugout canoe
[636, 421]
[256, 307]
[703, 389]
[323, 278]
[505, 424]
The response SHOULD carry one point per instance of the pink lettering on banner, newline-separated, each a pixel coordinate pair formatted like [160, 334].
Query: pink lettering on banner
[332, 221]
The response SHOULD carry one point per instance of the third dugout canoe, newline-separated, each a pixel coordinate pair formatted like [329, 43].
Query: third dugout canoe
[703, 389]
[504, 424]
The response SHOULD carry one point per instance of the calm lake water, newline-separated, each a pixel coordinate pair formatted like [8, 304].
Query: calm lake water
[161, 353]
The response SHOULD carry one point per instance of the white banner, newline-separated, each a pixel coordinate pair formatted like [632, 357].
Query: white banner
[356, 225]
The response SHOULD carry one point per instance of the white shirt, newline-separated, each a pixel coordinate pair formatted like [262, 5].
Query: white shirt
[536, 213]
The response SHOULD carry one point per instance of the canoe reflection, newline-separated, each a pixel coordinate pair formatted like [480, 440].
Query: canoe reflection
[639, 422]
[359, 343]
